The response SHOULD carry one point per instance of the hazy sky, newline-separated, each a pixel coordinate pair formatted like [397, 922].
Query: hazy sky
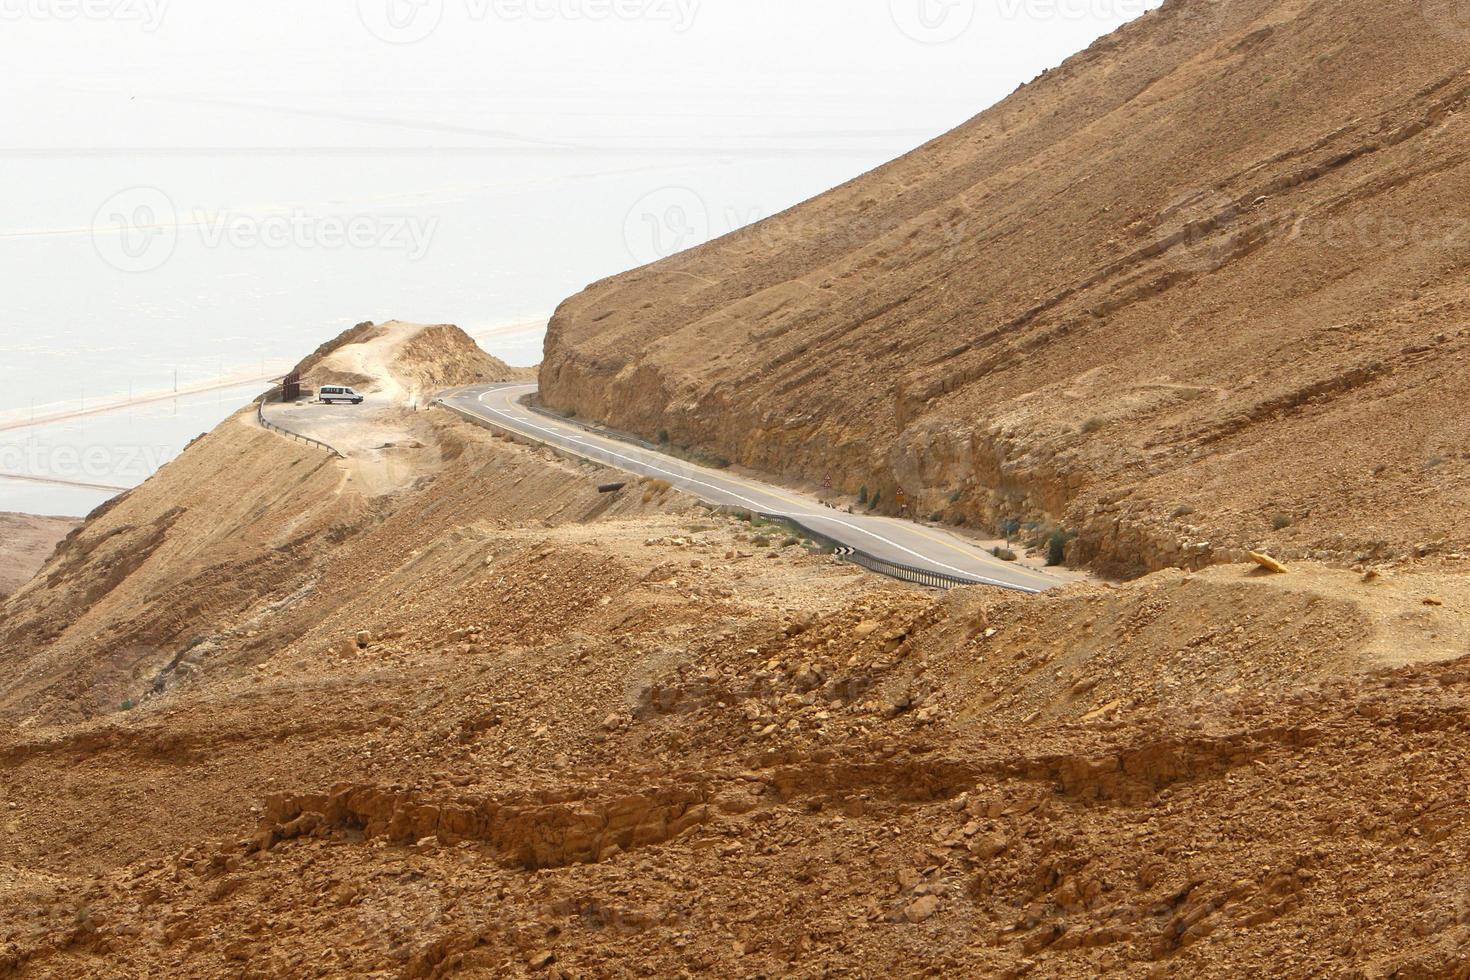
[647, 73]
[195, 188]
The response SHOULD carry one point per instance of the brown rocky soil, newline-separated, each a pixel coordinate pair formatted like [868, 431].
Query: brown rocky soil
[404, 361]
[443, 707]
[25, 542]
[1200, 289]
[260, 721]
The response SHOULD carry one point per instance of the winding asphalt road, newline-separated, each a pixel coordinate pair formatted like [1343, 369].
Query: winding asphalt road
[889, 539]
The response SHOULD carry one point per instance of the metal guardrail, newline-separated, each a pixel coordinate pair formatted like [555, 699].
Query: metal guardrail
[923, 576]
[267, 423]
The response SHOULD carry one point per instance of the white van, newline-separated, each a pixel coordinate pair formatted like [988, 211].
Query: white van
[338, 393]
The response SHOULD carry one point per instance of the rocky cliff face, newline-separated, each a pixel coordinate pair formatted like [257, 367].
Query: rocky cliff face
[1201, 288]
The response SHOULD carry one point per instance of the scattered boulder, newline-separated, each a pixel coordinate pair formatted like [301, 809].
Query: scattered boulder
[921, 909]
[1267, 562]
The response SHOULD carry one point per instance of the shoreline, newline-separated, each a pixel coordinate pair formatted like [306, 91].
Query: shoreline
[12, 420]
[8, 423]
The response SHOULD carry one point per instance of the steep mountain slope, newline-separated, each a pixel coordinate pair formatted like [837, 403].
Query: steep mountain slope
[25, 542]
[1199, 289]
[246, 539]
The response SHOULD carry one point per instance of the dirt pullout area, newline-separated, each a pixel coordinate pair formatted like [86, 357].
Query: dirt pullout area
[398, 368]
[1194, 291]
[25, 543]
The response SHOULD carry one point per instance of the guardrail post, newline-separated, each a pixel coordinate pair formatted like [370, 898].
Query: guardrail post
[294, 436]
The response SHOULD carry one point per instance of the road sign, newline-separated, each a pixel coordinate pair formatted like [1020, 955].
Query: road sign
[827, 482]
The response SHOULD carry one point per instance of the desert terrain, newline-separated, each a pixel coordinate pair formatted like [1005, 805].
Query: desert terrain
[1198, 289]
[265, 717]
[438, 701]
[26, 541]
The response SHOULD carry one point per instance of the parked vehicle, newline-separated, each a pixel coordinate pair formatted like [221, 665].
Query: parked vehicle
[339, 393]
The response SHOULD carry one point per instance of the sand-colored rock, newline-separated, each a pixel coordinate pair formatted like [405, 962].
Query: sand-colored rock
[1267, 562]
[26, 541]
[593, 735]
[1192, 292]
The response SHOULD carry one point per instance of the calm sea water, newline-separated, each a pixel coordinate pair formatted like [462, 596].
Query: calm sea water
[133, 274]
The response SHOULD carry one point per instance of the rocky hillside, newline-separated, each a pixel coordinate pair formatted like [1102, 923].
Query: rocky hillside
[404, 360]
[1201, 288]
[264, 717]
[25, 543]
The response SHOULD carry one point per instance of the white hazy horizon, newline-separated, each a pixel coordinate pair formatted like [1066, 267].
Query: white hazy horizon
[196, 188]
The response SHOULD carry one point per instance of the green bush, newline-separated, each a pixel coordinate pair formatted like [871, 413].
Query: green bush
[1056, 548]
[863, 494]
[1280, 522]
[1004, 554]
[1094, 424]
